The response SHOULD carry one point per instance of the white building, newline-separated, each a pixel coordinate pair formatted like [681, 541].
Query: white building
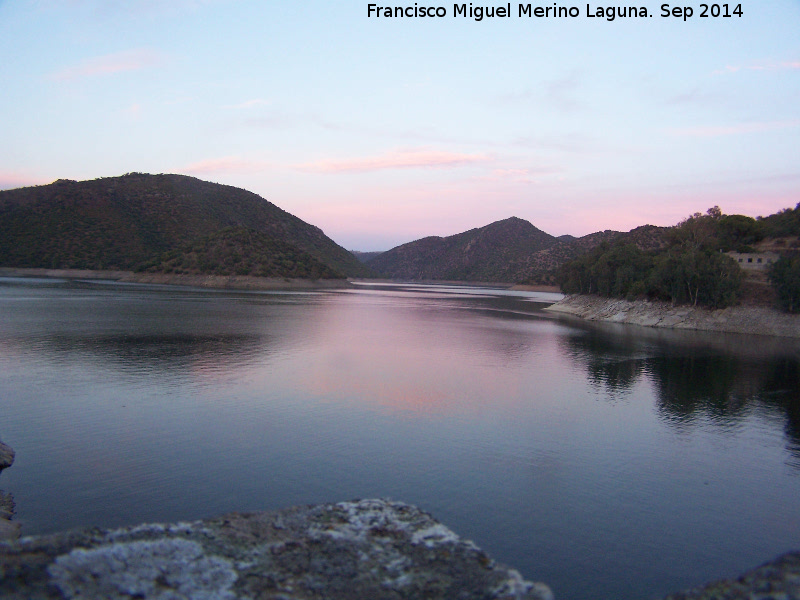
[757, 261]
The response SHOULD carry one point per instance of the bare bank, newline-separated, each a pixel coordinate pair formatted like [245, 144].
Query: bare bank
[223, 282]
[754, 320]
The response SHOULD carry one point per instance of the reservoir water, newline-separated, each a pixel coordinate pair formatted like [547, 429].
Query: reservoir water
[611, 462]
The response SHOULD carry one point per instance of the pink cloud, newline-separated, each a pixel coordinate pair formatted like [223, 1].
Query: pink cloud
[772, 66]
[249, 104]
[14, 179]
[134, 110]
[227, 164]
[735, 129]
[130, 60]
[402, 159]
[527, 175]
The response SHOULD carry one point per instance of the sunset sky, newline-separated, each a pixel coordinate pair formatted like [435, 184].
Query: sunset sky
[384, 130]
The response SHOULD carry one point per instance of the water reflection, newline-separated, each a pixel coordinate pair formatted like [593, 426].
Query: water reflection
[560, 447]
[698, 377]
[158, 355]
[158, 331]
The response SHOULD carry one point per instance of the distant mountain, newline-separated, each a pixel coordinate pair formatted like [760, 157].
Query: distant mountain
[140, 221]
[544, 263]
[501, 251]
[365, 257]
[511, 251]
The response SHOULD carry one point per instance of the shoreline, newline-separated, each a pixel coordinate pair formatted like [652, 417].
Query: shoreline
[245, 282]
[750, 320]
[221, 282]
[361, 548]
[517, 287]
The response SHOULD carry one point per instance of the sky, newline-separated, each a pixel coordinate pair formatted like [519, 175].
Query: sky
[385, 130]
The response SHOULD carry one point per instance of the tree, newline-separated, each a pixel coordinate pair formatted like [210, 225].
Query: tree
[785, 276]
[738, 232]
[689, 275]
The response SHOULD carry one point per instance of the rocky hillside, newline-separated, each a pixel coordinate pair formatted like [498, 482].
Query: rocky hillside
[134, 221]
[365, 257]
[500, 251]
[512, 251]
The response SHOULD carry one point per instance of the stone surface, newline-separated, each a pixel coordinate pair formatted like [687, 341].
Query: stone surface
[776, 580]
[6, 456]
[8, 531]
[735, 319]
[6, 506]
[369, 549]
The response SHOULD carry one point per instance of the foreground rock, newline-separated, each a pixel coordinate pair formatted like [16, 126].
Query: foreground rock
[6, 456]
[8, 530]
[370, 549]
[777, 580]
[735, 319]
[7, 506]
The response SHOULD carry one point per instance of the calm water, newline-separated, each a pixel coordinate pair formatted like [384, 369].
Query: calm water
[614, 463]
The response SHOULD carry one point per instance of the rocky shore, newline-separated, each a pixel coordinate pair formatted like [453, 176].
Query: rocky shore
[224, 282]
[754, 320]
[776, 580]
[368, 549]
[8, 530]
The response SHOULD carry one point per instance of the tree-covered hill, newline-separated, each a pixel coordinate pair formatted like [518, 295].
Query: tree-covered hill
[687, 264]
[510, 251]
[240, 251]
[500, 251]
[129, 221]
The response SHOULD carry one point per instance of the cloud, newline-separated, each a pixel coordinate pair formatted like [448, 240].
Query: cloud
[227, 164]
[525, 175]
[695, 96]
[249, 104]
[14, 179]
[560, 94]
[127, 8]
[110, 64]
[134, 110]
[770, 66]
[402, 159]
[716, 131]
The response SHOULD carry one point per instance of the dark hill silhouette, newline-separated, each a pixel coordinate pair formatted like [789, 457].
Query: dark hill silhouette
[509, 251]
[497, 252]
[133, 221]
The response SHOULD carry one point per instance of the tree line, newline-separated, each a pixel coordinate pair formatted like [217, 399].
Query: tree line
[690, 266]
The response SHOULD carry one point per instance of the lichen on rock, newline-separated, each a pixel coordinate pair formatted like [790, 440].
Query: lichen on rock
[6, 456]
[167, 569]
[776, 580]
[367, 549]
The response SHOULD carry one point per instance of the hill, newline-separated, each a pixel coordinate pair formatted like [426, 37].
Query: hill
[240, 251]
[365, 257]
[501, 251]
[695, 262]
[511, 251]
[134, 221]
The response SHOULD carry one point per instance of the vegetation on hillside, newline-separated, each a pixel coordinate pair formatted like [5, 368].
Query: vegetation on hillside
[123, 222]
[500, 251]
[690, 267]
[785, 277]
[240, 251]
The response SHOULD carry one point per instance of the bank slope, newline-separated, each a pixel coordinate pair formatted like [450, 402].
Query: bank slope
[132, 221]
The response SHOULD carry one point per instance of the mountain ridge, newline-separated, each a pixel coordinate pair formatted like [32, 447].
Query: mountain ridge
[490, 253]
[511, 250]
[130, 221]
